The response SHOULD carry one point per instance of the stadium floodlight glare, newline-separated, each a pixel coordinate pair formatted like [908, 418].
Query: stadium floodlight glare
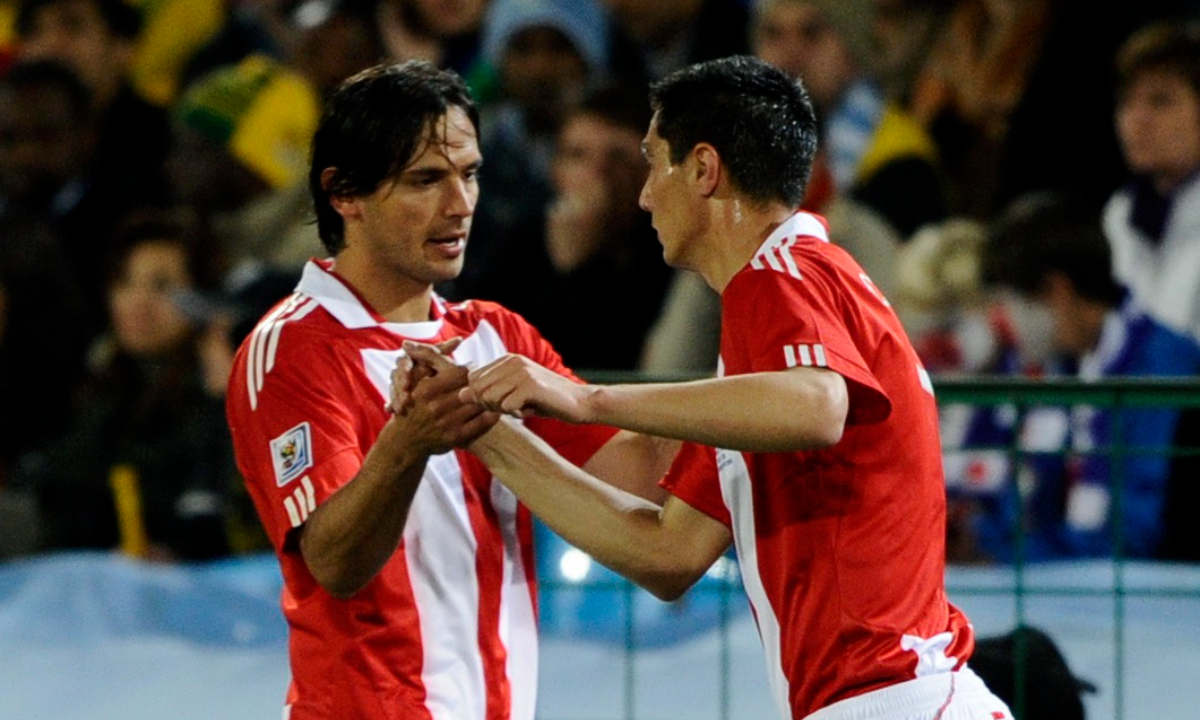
[574, 565]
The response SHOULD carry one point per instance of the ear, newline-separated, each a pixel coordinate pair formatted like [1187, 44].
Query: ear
[707, 170]
[345, 205]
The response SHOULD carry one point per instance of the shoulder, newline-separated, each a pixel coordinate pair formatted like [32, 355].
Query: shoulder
[294, 337]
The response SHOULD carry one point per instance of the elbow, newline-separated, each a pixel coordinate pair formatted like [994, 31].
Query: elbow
[341, 589]
[831, 406]
[669, 581]
[341, 586]
[667, 588]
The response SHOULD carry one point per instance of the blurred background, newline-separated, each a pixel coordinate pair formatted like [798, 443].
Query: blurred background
[1020, 177]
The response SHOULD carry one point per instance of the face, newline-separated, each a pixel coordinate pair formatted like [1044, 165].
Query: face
[541, 70]
[796, 38]
[144, 317]
[1158, 120]
[42, 143]
[666, 197]
[74, 33]
[415, 226]
[449, 18]
[595, 153]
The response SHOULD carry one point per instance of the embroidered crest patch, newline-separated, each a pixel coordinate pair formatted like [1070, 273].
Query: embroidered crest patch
[291, 453]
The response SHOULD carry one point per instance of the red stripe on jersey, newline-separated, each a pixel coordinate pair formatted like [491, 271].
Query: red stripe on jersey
[489, 568]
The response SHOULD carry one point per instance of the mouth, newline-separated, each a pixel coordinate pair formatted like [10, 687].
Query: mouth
[450, 246]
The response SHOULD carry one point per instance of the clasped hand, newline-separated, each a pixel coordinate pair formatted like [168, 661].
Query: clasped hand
[512, 384]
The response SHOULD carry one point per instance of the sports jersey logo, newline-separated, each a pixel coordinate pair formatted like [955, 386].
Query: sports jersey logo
[291, 453]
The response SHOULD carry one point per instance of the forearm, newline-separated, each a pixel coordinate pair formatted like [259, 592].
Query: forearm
[621, 531]
[351, 535]
[763, 412]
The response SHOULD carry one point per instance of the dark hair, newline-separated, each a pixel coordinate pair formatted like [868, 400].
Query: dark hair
[1161, 47]
[372, 127]
[1043, 233]
[616, 104]
[759, 119]
[41, 74]
[204, 261]
[122, 19]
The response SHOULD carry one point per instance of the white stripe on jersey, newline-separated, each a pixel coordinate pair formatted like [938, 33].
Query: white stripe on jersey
[273, 342]
[785, 251]
[301, 503]
[819, 355]
[789, 356]
[440, 549]
[289, 504]
[805, 355]
[518, 623]
[254, 367]
[738, 496]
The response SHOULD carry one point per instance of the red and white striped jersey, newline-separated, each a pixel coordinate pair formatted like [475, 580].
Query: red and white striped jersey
[446, 630]
[841, 549]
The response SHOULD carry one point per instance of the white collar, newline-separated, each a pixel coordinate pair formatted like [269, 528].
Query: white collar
[319, 282]
[802, 224]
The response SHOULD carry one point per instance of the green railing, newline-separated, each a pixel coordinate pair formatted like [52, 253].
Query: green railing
[1022, 395]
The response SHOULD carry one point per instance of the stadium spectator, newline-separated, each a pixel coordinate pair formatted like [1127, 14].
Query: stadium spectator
[545, 51]
[592, 273]
[447, 33]
[1055, 254]
[95, 38]
[1011, 93]
[877, 153]
[241, 145]
[1153, 224]
[146, 463]
[49, 172]
[833, 490]
[651, 39]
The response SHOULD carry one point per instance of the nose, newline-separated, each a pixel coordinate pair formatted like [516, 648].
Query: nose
[644, 196]
[463, 195]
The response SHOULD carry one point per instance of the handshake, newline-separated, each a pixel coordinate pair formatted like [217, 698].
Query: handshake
[455, 404]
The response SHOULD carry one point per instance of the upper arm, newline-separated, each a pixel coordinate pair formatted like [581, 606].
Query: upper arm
[634, 463]
[808, 323]
[293, 439]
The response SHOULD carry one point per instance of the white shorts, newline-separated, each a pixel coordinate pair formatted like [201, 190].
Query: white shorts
[957, 695]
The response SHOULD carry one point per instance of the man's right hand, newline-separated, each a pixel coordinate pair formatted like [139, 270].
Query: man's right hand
[518, 386]
[435, 417]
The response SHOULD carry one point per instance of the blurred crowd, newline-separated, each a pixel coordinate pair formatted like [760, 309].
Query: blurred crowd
[1020, 177]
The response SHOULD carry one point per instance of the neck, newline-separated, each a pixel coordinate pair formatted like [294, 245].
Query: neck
[736, 229]
[398, 298]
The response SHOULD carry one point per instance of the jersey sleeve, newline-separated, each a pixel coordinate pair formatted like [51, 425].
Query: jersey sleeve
[576, 443]
[294, 436]
[775, 321]
[693, 478]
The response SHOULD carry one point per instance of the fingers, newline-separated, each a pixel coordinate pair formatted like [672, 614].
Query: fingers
[402, 383]
[447, 347]
[430, 355]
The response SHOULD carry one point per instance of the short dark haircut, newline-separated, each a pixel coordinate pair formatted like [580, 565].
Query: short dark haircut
[759, 119]
[374, 124]
[1044, 233]
[1161, 47]
[122, 19]
[43, 74]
